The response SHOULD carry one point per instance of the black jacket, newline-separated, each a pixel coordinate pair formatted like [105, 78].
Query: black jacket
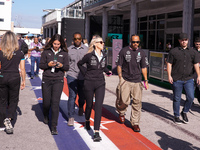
[46, 57]
[95, 69]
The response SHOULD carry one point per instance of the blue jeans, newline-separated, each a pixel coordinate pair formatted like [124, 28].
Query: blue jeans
[75, 87]
[177, 91]
[33, 60]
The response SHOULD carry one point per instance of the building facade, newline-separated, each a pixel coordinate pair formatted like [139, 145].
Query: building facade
[5, 15]
[64, 21]
[158, 22]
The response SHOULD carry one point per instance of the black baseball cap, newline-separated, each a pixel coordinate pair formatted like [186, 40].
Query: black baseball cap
[183, 36]
[197, 39]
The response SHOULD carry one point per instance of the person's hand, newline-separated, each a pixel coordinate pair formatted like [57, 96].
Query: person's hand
[22, 85]
[146, 85]
[109, 73]
[198, 80]
[52, 64]
[59, 65]
[170, 79]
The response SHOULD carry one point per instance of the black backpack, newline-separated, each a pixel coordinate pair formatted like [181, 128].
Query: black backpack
[23, 46]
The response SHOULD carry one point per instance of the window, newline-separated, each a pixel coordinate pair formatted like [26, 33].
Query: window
[1, 20]
[175, 14]
[2, 3]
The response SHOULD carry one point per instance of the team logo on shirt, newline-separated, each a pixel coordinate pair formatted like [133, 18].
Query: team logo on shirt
[128, 56]
[49, 54]
[93, 61]
[103, 63]
[60, 55]
[138, 58]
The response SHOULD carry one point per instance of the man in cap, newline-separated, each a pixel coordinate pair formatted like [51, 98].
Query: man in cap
[182, 61]
[197, 48]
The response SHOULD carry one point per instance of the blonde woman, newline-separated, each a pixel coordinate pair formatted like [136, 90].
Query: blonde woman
[94, 82]
[11, 58]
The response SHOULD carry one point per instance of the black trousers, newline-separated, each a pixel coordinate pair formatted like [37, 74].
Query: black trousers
[9, 95]
[97, 88]
[197, 91]
[51, 93]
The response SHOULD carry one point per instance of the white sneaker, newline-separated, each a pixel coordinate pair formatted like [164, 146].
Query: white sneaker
[70, 122]
[8, 125]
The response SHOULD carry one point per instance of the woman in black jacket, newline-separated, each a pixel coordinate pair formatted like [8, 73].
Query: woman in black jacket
[11, 58]
[54, 61]
[94, 82]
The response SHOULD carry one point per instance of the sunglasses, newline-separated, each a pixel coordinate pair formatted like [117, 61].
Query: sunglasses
[101, 42]
[135, 42]
[197, 44]
[77, 39]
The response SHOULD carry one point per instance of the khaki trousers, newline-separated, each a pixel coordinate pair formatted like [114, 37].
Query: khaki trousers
[127, 90]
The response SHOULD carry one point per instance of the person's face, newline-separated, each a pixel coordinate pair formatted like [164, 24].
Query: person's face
[77, 40]
[99, 44]
[197, 45]
[35, 40]
[56, 45]
[135, 41]
[183, 42]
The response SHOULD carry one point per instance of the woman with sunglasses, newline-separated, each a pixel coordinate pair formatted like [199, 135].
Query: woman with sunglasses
[94, 82]
[54, 61]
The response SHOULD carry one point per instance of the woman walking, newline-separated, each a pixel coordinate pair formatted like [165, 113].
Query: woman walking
[10, 60]
[54, 61]
[94, 82]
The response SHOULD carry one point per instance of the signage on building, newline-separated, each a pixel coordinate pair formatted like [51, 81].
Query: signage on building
[116, 47]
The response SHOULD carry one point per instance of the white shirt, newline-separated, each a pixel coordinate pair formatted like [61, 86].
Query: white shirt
[99, 57]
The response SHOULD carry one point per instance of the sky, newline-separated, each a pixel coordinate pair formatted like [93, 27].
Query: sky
[28, 13]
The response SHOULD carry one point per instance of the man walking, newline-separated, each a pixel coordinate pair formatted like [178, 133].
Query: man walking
[132, 61]
[75, 79]
[180, 65]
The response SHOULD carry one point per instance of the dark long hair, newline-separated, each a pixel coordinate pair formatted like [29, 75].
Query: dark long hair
[60, 39]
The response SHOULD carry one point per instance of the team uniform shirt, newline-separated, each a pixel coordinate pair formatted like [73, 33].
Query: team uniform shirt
[131, 62]
[35, 53]
[49, 55]
[76, 54]
[12, 65]
[183, 63]
[95, 68]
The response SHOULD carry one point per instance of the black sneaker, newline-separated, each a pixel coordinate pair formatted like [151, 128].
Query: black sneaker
[32, 77]
[184, 116]
[97, 138]
[8, 125]
[54, 131]
[87, 125]
[177, 120]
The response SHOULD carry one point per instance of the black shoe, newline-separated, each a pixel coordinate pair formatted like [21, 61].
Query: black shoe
[32, 77]
[96, 138]
[87, 125]
[36, 75]
[46, 120]
[184, 116]
[54, 131]
[177, 120]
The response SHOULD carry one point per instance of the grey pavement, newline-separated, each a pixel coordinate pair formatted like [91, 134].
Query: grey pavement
[156, 121]
[157, 118]
[30, 133]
